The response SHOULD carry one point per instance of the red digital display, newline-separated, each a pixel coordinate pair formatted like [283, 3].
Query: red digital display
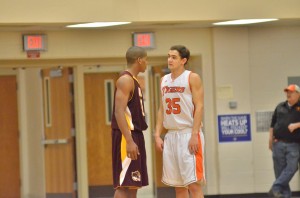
[34, 42]
[143, 40]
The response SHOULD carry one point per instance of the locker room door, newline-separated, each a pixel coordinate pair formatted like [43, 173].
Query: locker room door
[9, 138]
[60, 170]
[99, 93]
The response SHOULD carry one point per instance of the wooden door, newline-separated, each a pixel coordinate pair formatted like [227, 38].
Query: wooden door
[58, 139]
[99, 91]
[9, 139]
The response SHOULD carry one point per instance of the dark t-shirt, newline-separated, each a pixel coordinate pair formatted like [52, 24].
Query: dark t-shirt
[283, 116]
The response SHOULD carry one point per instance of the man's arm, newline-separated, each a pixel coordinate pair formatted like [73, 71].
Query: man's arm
[159, 128]
[198, 100]
[124, 87]
[271, 138]
[271, 130]
[292, 127]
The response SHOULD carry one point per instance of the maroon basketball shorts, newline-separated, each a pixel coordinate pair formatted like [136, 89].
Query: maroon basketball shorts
[126, 172]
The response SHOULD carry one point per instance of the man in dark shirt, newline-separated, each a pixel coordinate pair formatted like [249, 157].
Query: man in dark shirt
[284, 141]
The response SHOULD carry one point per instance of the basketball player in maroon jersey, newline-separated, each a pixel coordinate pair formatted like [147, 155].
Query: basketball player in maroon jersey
[128, 124]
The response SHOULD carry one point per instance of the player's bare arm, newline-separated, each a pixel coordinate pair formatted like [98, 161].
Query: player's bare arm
[159, 128]
[198, 100]
[125, 86]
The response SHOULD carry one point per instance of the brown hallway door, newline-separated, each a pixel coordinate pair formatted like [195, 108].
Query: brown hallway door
[58, 139]
[9, 139]
[99, 90]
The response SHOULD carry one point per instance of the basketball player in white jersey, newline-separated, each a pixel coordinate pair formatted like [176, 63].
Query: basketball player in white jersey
[181, 112]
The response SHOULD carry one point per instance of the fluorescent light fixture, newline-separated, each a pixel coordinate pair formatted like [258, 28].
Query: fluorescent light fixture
[244, 21]
[97, 24]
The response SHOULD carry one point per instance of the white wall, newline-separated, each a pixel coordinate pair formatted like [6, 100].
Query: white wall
[255, 62]
[231, 56]
[274, 56]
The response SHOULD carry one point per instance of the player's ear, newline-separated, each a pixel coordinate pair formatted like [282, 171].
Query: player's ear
[184, 60]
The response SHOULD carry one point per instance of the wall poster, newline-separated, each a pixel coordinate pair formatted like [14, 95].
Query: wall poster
[234, 128]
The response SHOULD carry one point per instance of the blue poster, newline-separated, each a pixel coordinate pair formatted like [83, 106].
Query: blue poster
[234, 128]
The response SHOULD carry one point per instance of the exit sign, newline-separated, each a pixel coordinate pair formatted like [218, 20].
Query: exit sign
[143, 39]
[34, 42]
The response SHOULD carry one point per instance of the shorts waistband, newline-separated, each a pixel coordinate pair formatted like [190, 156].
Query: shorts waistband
[185, 130]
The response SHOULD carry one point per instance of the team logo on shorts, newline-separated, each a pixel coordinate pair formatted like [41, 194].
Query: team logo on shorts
[136, 176]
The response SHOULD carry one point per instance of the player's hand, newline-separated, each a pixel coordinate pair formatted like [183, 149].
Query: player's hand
[271, 144]
[159, 144]
[193, 144]
[132, 150]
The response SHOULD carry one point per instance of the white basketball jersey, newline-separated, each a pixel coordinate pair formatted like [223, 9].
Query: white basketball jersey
[177, 101]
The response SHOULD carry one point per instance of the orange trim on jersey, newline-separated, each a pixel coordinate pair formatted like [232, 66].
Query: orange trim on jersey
[199, 161]
[161, 79]
[190, 82]
[191, 90]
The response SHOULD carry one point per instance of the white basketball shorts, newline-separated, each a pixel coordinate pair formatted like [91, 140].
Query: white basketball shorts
[180, 167]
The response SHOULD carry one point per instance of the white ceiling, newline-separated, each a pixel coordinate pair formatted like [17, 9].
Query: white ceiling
[139, 25]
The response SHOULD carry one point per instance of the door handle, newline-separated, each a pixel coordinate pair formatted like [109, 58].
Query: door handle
[55, 141]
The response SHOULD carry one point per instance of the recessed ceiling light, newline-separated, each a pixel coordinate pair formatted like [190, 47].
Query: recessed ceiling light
[96, 24]
[244, 21]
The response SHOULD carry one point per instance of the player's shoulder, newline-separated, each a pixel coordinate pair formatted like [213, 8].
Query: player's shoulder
[165, 77]
[124, 80]
[194, 76]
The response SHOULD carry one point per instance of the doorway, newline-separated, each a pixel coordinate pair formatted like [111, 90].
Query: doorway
[99, 92]
[59, 133]
[157, 72]
[10, 181]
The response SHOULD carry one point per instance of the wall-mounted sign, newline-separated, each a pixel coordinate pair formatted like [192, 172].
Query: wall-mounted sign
[263, 120]
[234, 128]
[143, 39]
[34, 42]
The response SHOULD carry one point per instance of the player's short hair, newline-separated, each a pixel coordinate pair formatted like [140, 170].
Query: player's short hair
[133, 53]
[183, 51]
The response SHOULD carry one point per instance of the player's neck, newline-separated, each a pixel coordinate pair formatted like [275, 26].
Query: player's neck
[132, 71]
[176, 73]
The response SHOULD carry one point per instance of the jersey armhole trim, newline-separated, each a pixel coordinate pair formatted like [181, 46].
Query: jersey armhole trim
[190, 82]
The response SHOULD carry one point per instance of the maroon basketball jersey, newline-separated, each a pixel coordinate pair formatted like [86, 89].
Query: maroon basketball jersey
[135, 114]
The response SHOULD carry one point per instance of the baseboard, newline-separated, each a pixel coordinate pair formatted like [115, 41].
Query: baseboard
[108, 191]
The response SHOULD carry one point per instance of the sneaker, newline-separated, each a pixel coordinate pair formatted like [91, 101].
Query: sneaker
[275, 194]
